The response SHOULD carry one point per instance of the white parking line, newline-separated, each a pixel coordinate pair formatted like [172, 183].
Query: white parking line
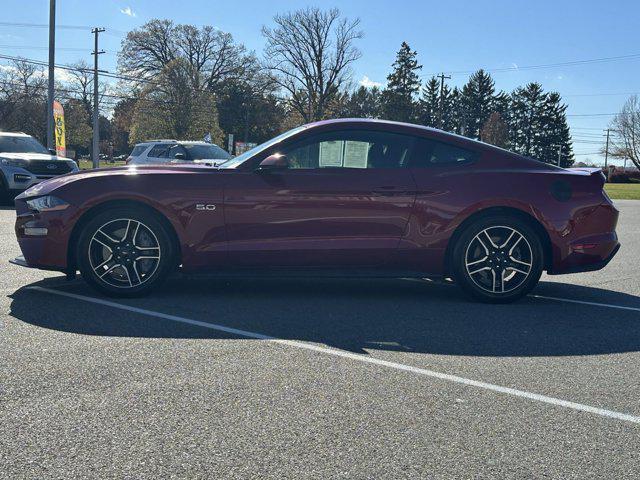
[582, 302]
[353, 356]
[541, 297]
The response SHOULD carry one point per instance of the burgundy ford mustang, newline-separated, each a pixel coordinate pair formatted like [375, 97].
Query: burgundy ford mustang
[342, 197]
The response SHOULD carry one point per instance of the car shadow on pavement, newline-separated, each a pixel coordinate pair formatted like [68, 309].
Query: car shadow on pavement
[355, 315]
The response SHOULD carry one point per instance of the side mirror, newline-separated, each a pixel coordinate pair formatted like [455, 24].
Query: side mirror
[274, 162]
[52, 151]
[179, 156]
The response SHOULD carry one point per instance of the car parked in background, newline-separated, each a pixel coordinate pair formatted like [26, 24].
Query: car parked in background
[344, 197]
[173, 151]
[24, 162]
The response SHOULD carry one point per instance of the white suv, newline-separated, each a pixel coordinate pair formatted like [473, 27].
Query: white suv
[25, 162]
[175, 151]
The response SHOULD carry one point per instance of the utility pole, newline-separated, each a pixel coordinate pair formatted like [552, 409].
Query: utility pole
[51, 143]
[559, 153]
[442, 78]
[606, 157]
[95, 151]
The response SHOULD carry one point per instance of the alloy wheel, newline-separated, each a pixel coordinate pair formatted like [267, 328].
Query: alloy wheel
[499, 259]
[124, 253]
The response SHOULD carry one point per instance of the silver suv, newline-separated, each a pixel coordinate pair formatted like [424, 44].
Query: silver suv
[175, 151]
[25, 162]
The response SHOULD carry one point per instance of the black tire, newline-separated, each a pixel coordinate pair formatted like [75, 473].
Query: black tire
[481, 259]
[136, 232]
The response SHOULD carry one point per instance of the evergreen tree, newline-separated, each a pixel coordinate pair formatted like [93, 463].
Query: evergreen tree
[556, 135]
[451, 115]
[403, 84]
[363, 103]
[527, 120]
[429, 104]
[477, 103]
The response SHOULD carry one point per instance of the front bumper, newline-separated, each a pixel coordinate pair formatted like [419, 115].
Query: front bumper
[46, 250]
[20, 261]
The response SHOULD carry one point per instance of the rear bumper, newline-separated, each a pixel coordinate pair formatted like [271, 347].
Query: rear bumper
[590, 241]
[586, 265]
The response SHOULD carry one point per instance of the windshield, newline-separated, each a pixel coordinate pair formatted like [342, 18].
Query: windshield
[205, 152]
[233, 163]
[11, 144]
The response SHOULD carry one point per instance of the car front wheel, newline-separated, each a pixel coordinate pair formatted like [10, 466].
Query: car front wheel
[125, 252]
[498, 259]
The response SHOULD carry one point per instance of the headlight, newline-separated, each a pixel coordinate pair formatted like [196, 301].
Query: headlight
[47, 203]
[13, 162]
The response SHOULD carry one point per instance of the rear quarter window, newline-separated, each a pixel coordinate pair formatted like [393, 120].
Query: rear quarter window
[433, 153]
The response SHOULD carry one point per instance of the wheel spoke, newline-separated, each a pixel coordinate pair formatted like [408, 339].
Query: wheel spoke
[104, 239]
[486, 234]
[520, 262]
[482, 269]
[484, 246]
[482, 260]
[132, 274]
[103, 264]
[109, 270]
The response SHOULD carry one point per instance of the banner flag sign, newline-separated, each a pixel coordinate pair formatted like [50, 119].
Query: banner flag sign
[58, 121]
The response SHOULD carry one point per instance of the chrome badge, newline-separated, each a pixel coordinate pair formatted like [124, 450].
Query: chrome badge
[205, 207]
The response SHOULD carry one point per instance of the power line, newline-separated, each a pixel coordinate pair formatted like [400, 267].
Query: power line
[66, 49]
[517, 68]
[63, 27]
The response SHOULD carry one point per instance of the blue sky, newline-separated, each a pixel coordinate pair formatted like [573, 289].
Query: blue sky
[449, 36]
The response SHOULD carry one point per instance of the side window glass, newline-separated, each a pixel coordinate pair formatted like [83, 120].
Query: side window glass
[438, 153]
[352, 149]
[177, 149]
[160, 151]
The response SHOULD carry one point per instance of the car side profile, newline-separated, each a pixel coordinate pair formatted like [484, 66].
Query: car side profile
[344, 197]
[174, 151]
[24, 162]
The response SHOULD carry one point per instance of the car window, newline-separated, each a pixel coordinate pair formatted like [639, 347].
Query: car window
[137, 150]
[178, 149]
[351, 149]
[438, 153]
[160, 151]
[206, 152]
[11, 144]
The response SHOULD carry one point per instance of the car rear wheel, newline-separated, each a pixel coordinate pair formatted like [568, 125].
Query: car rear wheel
[125, 252]
[498, 259]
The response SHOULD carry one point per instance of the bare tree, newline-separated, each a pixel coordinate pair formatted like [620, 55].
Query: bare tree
[80, 87]
[495, 131]
[212, 55]
[626, 125]
[310, 52]
[23, 98]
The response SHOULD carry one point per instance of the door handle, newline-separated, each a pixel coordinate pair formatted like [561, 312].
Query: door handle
[388, 191]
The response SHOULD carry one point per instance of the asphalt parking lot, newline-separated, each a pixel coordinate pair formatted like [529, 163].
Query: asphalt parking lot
[321, 378]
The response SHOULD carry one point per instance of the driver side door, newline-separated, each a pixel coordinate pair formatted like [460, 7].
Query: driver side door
[344, 200]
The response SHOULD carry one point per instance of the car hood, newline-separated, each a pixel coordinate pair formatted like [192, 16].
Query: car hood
[48, 186]
[33, 156]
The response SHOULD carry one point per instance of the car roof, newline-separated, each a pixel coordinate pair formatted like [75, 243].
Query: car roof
[400, 127]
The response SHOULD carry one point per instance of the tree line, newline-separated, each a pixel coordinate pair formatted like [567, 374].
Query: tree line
[184, 81]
